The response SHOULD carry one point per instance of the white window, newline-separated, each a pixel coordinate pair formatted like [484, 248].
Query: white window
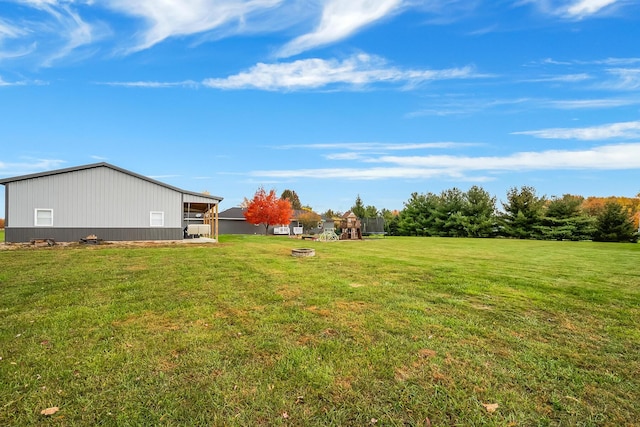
[44, 218]
[157, 219]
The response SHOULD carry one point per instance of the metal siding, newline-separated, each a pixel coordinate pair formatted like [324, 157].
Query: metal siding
[97, 197]
[227, 226]
[190, 198]
[25, 234]
[6, 205]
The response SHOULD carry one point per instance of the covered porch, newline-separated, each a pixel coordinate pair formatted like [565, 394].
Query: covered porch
[200, 216]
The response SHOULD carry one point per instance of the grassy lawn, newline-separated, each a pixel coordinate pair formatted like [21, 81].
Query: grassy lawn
[386, 332]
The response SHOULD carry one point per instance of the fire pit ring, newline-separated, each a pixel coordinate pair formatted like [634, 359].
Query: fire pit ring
[300, 252]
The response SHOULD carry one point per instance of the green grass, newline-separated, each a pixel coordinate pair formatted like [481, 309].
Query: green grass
[398, 330]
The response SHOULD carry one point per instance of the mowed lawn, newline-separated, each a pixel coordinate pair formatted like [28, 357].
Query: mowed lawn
[385, 332]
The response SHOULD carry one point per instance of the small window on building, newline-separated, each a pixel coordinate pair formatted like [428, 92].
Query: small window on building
[157, 219]
[44, 217]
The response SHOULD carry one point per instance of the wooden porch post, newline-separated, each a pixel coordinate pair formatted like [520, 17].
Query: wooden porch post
[216, 220]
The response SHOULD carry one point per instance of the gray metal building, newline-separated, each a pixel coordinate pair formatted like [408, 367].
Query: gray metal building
[232, 221]
[104, 200]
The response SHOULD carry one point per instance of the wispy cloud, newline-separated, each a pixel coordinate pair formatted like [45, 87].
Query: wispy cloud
[67, 24]
[164, 176]
[618, 156]
[153, 85]
[167, 19]
[368, 174]
[357, 71]
[583, 8]
[467, 104]
[578, 104]
[566, 78]
[575, 9]
[29, 166]
[382, 146]
[340, 19]
[606, 157]
[5, 83]
[362, 151]
[613, 130]
[624, 79]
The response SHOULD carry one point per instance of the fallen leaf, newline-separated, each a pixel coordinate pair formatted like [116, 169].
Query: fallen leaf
[427, 422]
[490, 407]
[50, 411]
[285, 415]
[374, 420]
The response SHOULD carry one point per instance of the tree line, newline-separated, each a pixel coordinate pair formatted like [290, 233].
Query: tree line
[524, 215]
[475, 213]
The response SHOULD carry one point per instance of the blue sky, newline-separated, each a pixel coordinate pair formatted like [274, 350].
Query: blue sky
[330, 98]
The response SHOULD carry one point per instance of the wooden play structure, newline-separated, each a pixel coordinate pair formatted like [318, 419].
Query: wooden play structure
[351, 227]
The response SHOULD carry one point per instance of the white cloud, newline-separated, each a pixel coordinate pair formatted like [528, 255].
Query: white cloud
[625, 79]
[78, 33]
[583, 8]
[567, 78]
[358, 70]
[186, 17]
[592, 103]
[8, 30]
[607, 157]
[52, 28]
[383, 146]
[574, 9]
[29, 166]
[344, 156]
[153, 85]
[614, 130]
[364, 174]
[340, 19]
[5, 83]
[618, 156]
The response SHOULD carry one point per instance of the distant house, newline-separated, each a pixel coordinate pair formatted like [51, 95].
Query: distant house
[232, 221]
[106, 201]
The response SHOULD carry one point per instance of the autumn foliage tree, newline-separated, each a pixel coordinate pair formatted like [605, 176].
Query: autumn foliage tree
[268, 209]
[309, 220]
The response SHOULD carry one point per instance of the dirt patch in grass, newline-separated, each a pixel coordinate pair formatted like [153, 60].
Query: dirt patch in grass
[353, 306]
[152, 322]
[319, 311]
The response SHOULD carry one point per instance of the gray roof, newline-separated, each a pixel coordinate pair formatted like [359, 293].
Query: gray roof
[232, 213]
[110, 166]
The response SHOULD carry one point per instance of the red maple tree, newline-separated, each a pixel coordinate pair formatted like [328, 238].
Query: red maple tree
[268, 209]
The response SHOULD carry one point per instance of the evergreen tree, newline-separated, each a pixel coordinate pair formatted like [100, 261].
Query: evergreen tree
[565, 220]
[358, 209]
[371, 212]
[449, 221]
[479, 213]
[391, 221]
[419, 215]
[523, 213]
[614, 225]
[293, 198]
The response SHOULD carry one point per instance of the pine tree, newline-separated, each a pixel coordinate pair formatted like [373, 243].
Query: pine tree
[614, 225]
[523, 213]
[358, 209]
